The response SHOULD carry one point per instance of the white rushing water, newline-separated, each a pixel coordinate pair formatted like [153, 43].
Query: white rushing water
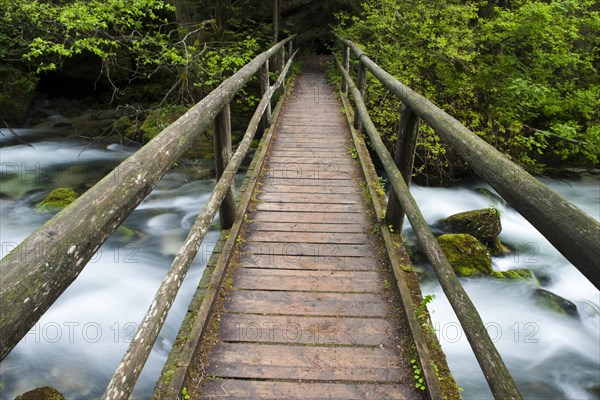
[551, 356]
[78, 343]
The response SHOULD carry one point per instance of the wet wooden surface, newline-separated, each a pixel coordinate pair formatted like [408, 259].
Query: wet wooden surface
[307, 317]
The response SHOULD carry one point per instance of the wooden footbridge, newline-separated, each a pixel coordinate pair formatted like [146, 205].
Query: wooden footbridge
[308, 294]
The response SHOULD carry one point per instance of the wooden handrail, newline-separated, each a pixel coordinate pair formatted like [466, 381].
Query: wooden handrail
[497, 375]
[570, 230]
[122, 383]
[40, 269]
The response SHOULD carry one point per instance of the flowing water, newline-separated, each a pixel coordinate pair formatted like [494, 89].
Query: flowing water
[76, 346]
[551, 356]
[78, 343]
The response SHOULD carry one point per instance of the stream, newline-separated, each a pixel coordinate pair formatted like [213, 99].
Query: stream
[78, 343]
[551, 356]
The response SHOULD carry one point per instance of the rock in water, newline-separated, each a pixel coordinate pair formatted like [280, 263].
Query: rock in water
[483, 224]
[43, 393]
[554, 302]
[466, 254]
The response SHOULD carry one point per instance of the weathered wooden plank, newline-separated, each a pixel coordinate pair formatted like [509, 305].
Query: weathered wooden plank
[333, 198]
[327, 147]
[306, 303]
[314, 281]
[248, 360]
[326, 218]
[300, 154]
[309, 207]
[249, 389]
[284, 156]
[292, 188]
[329, 251]
[305, 227]
[246, 260]
[290, 172]
[307, 237]
[314, 165]
[299, 177]
[308, 181]
[307, 330]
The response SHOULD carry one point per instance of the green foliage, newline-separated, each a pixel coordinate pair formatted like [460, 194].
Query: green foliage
[48, 32]
[184, 394]
[418, 375]
[523, 77]
[17, 91]
[132, 40]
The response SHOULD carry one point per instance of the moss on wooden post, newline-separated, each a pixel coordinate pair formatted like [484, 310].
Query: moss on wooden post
[264, 86]
[346, 63]
[404, 157]
[222, 141]
[361, 83]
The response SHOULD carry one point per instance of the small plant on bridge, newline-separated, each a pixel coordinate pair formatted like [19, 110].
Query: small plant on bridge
[418, 375]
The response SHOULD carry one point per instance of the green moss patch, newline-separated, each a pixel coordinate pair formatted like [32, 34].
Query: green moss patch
[43, 393]
[56, 200]
[466, 254]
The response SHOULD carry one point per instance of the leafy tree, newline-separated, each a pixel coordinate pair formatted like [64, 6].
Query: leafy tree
[522, 74]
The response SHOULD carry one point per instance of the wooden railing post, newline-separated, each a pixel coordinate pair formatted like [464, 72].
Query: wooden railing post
[280, 63]
[404, 157]
[361, 84]
[264, 86]
[222, 126]
[291, 47]
[346, 63]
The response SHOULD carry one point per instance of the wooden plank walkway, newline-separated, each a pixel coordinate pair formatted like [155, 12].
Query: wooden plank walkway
[308, 315]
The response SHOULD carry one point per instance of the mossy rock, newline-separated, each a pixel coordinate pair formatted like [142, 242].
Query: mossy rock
[43, 393]
[594, 390]
[17, 91]
[554, 302]
[201, 148]
[57, 199]
[483, 224]
[125, 126]
[467, 256]
[158, 119]
[518, 274]
[126, 233]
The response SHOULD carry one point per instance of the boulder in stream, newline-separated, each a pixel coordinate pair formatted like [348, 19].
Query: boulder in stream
[43, 393]
[554, 302]
[482, 224]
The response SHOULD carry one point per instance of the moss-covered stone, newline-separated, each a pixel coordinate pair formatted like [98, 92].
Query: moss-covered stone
[126, 233]
[483, 224]
[594, 390]
[57, 199]
[466, 254]
[519, 274]
[43, 393]
[554, 302]
[17, 90]
[201, 148]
